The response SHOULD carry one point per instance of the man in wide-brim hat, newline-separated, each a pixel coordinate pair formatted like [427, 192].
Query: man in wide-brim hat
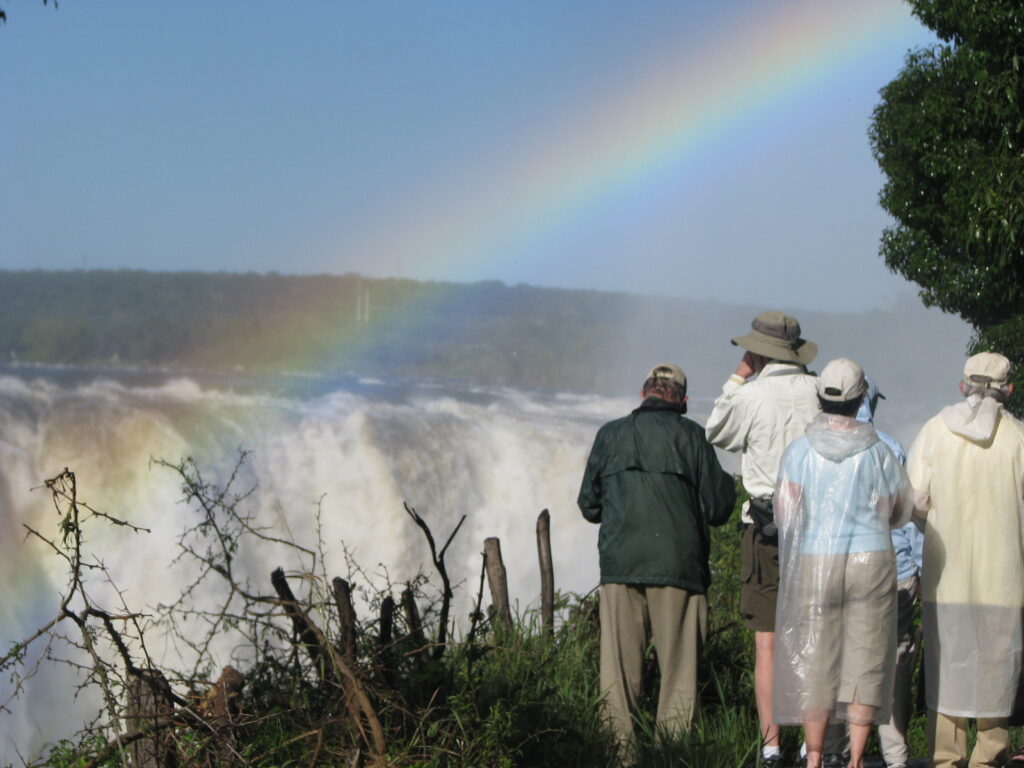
[775, 336]
[764, 405]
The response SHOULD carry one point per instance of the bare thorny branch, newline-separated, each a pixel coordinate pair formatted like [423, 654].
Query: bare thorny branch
[91, 623]
[76, 605]
[438, 560]
[111, 645]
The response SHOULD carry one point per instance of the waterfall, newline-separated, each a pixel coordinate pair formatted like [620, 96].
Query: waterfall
[354, 449]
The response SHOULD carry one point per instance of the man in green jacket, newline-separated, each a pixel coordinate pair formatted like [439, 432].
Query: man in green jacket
[655, 486]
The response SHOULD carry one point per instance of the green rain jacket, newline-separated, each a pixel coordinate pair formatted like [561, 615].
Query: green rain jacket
[654, 484]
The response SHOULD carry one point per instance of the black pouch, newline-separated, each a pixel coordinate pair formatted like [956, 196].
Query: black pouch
[760, 511]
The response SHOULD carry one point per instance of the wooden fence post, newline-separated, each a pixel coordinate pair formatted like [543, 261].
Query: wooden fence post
[304, 629]
[346, 619]
[547, 572]
[334, 667]
[497, 579]
[414, 625]
[218, 708]
[387, 621]
[146, 708]
[385, 637]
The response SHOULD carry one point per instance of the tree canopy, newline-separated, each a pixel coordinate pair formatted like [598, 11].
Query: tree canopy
[949, 136]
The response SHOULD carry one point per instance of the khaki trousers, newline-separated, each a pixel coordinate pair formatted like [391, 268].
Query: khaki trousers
[893, 735]
[678, 624]
[947, 740]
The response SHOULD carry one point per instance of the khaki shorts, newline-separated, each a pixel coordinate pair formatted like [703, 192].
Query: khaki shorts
[852, 616]
[759, 574]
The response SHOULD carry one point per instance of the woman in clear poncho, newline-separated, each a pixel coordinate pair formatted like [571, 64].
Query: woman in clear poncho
[840, 489]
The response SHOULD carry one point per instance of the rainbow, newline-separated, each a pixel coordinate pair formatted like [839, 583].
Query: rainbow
[636, 139]
[605, 153]
[637, 136]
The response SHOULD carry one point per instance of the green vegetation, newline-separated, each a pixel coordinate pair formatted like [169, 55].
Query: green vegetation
[949, 136]
[499, 695]
[391, 691]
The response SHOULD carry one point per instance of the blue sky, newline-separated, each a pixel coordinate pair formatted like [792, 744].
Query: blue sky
[324, 136]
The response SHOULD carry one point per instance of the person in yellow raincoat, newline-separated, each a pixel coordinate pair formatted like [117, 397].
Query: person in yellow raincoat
[967, 469]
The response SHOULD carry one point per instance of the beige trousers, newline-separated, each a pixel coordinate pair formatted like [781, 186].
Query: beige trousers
[677, 620]
[893, 735]
[947, 740]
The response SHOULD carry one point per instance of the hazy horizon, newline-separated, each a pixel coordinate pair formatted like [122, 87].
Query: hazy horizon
[682, 149]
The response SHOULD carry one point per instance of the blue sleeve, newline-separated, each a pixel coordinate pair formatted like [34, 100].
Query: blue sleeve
[892, 471]
[916, 545]
[894, 445]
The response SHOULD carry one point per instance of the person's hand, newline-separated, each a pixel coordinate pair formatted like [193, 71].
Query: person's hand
[749, 365]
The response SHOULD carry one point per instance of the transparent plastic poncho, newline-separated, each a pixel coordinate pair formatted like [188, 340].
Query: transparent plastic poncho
[840, 490]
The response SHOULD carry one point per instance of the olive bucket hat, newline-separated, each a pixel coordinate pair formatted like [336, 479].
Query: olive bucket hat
[777, 336]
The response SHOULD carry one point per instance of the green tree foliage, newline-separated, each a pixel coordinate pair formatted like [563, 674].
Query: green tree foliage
[949, 136]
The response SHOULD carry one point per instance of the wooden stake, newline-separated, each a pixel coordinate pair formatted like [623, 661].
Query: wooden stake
[346, 618]
[497, 579]
[547, 572]
[146, 710]
[414, 625]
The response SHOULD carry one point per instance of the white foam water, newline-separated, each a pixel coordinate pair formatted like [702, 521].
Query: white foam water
[356, 450]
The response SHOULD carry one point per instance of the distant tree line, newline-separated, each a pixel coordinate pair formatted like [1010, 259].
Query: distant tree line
[486, 332]
[489, 333]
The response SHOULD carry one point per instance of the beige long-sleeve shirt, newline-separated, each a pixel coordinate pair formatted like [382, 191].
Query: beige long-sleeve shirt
[761, 417]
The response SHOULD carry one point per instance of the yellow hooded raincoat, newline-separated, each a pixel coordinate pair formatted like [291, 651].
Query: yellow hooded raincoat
[967, 469]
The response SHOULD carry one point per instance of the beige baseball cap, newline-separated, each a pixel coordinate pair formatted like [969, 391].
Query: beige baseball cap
[841, 380]
[668, 371]
[989, 369]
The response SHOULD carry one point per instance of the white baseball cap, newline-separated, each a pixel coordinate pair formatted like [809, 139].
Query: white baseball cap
[841, 380]
[987, 368]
